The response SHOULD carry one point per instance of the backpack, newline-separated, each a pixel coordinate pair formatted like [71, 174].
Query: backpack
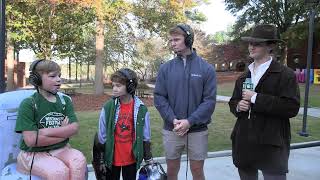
[153, 171]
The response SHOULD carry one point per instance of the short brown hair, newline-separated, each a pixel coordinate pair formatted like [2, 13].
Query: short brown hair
[177, 30]
[120, 77]
[46, 66]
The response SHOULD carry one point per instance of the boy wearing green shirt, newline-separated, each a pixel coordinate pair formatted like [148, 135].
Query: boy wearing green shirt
[47, 121]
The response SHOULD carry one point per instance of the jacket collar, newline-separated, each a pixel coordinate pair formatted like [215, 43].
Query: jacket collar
[190, 56]
[273, 68]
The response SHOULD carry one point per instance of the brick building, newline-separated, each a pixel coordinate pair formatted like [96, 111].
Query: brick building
[19, 74]
[229, 57]
[297, 57]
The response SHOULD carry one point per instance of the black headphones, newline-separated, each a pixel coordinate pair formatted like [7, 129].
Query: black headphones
[189, 35]
[35, 77]
[131, 83]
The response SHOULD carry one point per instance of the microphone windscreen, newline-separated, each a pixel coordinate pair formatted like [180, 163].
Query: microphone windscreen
[247, 84]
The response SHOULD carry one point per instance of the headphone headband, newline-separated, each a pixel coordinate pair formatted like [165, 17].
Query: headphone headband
[125, 73]
[34, 65]
[184, 29]
[189, 34]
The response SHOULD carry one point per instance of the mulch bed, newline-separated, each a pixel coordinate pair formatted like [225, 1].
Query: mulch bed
[91, 102]
[223, 77]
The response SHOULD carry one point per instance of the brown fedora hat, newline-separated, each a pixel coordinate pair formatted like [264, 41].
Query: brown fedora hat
[263, 33]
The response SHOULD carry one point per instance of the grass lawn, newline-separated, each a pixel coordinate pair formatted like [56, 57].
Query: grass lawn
[314, 95]
[219, 130]
[225, 89]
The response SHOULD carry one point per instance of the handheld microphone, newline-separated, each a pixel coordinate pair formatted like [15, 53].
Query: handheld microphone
[247, 84]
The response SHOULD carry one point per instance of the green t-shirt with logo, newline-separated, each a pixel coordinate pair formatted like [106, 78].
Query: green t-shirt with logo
[36, 112]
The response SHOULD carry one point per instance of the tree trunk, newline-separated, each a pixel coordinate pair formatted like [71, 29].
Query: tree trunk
[10, 66]
[285, 54]
[98, 81]
[15, 75]
[69, 67]
[80, 74]
[76, 70]
[88, 70]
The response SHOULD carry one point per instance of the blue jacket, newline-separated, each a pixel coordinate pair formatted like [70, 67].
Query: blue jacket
[186, 92]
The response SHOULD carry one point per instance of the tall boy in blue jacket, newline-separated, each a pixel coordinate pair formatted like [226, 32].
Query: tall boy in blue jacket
[185, 96]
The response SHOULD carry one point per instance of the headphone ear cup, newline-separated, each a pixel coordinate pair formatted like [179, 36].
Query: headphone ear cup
[131, 84]
[131, 88]
[35, 79]
[187, 41]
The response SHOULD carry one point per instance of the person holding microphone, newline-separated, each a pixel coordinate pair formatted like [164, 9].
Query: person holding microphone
[265, 96]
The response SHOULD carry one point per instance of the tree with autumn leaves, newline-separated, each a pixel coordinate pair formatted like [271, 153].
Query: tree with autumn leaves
[52, 29]
[289, 16]
[67, 28]
[109, 33]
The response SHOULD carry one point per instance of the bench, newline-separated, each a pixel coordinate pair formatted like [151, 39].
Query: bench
[143, 93]
[10, 140]
[69, 90]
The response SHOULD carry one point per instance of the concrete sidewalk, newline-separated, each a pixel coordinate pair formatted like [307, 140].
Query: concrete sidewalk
[314, 112]
[303, 164]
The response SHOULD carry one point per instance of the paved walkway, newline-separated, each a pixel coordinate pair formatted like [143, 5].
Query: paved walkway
[303, 164]
[314, 112]
[223, 98]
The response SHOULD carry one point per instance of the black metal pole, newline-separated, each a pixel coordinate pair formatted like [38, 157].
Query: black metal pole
[2, 43]
[309, 60]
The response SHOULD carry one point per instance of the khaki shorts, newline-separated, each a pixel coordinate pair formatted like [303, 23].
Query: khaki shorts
[174, 145]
